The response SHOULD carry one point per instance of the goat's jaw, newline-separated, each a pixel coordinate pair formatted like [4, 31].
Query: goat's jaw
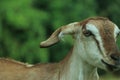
[111, 67]
[110, 64]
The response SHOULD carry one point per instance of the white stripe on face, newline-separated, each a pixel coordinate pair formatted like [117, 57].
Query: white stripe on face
[116, 31]
[96, 33]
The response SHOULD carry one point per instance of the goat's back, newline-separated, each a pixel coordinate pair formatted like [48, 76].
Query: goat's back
[13, 70]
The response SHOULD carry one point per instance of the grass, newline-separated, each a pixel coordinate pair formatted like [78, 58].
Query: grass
[109, 77]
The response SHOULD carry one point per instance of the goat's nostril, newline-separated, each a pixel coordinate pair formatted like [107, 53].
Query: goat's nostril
[115, 57]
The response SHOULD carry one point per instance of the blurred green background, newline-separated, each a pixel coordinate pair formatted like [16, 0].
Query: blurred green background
[25, 23]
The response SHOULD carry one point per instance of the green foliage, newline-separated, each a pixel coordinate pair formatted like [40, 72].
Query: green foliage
[22, 31]
[25, 23]
[63, 12]
[109, 9]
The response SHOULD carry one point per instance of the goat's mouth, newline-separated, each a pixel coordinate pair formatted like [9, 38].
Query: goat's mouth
[111, 67]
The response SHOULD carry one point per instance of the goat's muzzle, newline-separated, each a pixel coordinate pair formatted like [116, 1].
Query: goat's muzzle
[111, 67]
[115, 65]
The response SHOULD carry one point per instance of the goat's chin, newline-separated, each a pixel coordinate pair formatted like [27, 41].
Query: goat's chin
[110, 67]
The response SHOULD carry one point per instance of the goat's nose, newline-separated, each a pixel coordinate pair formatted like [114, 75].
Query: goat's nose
[116, 58]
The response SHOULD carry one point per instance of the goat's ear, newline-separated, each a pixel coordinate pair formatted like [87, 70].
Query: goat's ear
[64, 30]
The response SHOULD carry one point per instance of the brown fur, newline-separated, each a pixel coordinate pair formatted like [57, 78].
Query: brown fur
[22, 71]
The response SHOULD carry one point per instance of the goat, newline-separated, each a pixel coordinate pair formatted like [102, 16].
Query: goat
[94, 47]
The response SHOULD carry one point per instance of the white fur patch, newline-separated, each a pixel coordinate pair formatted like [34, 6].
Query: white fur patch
[92, 28]
[116, 31]
[29, 65]
[61, 36]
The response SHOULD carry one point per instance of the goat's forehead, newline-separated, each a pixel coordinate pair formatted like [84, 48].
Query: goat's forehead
[101, 25]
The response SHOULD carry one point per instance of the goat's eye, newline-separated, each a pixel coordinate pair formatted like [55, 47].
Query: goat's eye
[87, 33]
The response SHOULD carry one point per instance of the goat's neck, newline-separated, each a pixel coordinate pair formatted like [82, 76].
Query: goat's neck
[74, 68]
